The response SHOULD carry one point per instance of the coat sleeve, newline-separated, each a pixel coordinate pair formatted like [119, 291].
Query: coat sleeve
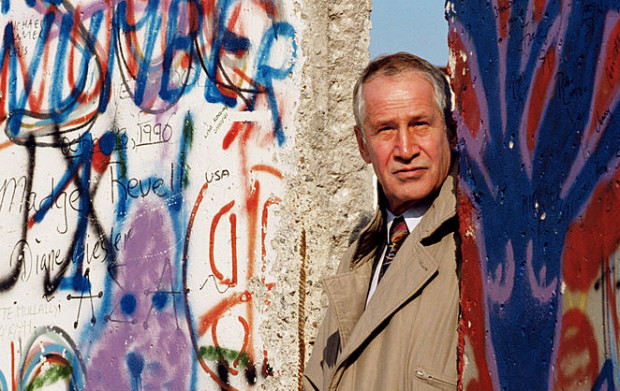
[324, 354]
[327, 346]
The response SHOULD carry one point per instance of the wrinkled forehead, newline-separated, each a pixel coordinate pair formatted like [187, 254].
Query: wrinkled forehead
[393, 76]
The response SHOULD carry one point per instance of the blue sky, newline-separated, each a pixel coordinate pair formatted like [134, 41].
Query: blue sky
[416, 26]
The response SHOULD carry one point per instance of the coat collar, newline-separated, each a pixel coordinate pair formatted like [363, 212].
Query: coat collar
[442, 209]
[347, 290]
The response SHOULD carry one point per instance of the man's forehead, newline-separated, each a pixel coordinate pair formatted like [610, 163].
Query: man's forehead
[400, 90]
[415, 80]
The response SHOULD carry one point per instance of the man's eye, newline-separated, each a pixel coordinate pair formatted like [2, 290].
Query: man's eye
[420, 123]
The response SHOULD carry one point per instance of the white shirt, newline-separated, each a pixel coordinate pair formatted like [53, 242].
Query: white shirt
[412, 217]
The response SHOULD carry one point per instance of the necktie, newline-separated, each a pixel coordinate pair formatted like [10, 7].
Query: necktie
[398, 233]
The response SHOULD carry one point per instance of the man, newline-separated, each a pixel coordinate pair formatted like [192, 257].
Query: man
[394, 303]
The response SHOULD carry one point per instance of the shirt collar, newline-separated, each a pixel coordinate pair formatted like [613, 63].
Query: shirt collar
[412, 216]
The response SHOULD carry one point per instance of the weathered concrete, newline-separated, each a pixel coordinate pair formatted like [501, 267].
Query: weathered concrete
[331, 192]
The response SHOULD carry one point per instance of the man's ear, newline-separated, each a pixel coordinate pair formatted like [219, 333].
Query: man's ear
[361, 144]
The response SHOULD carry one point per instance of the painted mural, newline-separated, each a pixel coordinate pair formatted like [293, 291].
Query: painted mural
[140, 177]
[538, 91]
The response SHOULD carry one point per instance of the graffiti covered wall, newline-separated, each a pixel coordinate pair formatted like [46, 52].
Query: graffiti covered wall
[139, 172]
[537, 85]
[148, 153]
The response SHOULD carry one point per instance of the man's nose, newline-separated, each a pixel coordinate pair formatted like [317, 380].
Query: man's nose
[406, 145]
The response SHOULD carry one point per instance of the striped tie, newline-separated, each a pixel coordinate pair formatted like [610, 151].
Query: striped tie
[398, 233]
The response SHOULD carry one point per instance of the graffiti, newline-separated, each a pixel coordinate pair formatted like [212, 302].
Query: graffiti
[237, 309]
[140, 174]
[52, 357]
[538, 92]
[191, 36]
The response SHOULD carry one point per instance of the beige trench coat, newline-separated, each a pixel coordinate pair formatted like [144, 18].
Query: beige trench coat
[406, 339]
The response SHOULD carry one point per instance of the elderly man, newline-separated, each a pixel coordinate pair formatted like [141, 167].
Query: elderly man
[394, 303]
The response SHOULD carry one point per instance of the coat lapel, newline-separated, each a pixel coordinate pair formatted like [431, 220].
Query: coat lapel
[347, 295]
[410, 275]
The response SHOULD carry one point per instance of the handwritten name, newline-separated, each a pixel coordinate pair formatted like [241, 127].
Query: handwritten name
[218, 121]
[13, 196]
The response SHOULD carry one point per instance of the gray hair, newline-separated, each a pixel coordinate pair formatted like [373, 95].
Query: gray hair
[397, 64]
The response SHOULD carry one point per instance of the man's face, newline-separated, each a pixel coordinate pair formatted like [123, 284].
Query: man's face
[405, 138]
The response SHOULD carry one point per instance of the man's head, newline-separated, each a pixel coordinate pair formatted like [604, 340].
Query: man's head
[402, 105]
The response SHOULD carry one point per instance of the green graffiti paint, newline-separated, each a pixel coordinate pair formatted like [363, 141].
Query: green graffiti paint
[55, 373]
[188, 140]
[214, 353]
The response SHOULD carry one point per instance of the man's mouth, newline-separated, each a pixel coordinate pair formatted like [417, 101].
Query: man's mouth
[410, 171]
